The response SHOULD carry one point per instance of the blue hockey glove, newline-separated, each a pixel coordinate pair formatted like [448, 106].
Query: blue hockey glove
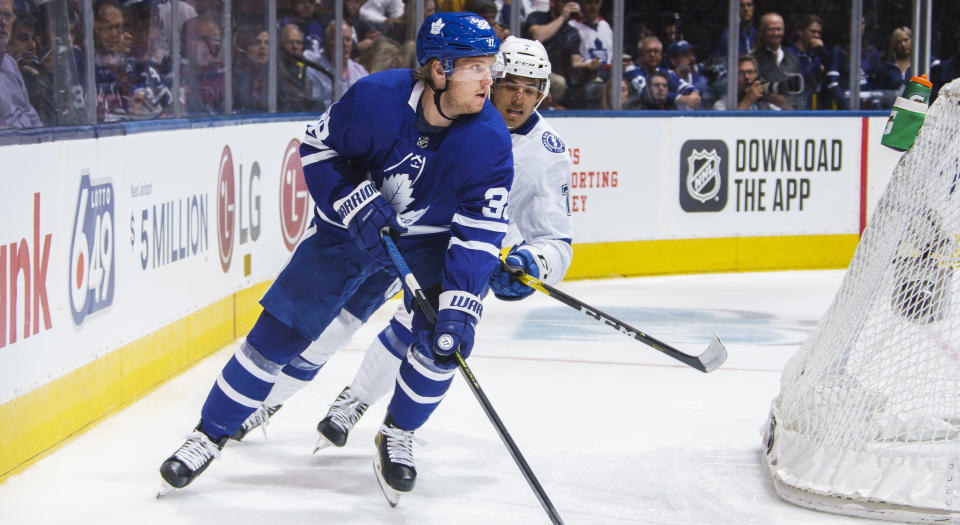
[365, 212]
[455, 327]
[503, 285]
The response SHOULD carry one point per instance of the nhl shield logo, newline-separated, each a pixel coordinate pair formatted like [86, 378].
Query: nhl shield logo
[703, 175]
[423, 142]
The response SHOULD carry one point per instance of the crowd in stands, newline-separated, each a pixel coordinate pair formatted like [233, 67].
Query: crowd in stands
[784, 61]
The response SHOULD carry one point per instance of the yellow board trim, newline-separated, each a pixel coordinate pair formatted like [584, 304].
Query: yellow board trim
[732, 254]
[35, 423]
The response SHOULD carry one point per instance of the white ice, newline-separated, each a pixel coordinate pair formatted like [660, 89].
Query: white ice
[615, 431]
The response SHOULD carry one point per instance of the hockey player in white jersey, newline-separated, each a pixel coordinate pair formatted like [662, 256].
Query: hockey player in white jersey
[539, 235]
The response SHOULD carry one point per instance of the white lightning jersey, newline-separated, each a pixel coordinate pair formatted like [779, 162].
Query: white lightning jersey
[539, 209]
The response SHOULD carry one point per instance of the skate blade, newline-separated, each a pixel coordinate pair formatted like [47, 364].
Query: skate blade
[392, 496]
[322, 442]
[165, 489]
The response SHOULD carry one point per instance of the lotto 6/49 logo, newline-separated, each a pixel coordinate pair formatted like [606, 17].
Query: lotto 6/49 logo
[91, 275]
[703, 175]
[294, 196]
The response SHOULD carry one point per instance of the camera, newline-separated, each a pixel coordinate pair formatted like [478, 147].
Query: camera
[791, 85]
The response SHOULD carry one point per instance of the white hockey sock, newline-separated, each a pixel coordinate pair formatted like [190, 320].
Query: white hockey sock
[377, 373]
[284, 387]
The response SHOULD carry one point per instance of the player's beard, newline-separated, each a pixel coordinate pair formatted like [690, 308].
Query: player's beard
[463, 100]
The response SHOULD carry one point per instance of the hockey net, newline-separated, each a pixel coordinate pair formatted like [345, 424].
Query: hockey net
[867, 421]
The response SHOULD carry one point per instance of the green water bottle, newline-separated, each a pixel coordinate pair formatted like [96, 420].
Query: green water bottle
[907, 114]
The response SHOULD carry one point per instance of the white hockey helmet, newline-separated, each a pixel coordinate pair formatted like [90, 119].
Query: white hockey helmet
[527, 58]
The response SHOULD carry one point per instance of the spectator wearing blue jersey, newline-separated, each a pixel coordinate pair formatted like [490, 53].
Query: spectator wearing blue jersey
[303, 14]
[679, 93]
[683, 64]
[838, 69]
[809, 50]
[748, 33]
[419, 155]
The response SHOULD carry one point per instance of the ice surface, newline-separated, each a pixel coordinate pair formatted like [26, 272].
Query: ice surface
[615, 431]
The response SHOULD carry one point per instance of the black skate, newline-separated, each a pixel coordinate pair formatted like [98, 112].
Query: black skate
[344, 413]
[393, 463]
[192, 458]
[259, 418]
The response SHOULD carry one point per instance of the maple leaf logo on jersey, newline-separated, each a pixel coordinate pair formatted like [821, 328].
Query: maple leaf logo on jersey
[398, 190]
[436, 27]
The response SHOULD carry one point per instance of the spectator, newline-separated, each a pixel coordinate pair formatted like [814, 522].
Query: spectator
[671, 29]
[250, 13]
[22, 47]
[750, 92]
[773, 63]
[67, 105]
[321, 84]
[838, 72]
[203, 72]
[656, 95]
[113, 66]
[680, 93]
[487, 9]
[365, 35]
[748, 34]
[605, 102]
[596, 48]
[293, 91]
[15, 108]
[382, 14]
[407, 30]
[683, 64]
[303, 14]
[561, 40]
[250, 69]
[185, 13]
[896, 70]
[951, 67]
[811, 54]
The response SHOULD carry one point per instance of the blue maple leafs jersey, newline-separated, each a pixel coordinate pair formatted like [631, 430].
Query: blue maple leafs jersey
[453, 182]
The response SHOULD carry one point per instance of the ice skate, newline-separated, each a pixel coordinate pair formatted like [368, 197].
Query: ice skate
[259, 418]
[344, 413]
[393, 463]
[192, 458]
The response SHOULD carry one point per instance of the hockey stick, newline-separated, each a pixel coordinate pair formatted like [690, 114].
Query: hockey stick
[708, 361]
[413, 287]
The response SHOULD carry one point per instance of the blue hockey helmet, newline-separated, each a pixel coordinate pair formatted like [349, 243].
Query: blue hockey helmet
[449, 36]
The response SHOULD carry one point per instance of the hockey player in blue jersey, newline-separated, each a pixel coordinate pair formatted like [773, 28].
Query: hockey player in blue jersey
[540, 233]
[422, 153]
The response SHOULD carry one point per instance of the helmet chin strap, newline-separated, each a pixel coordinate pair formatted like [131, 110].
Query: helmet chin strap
[436, 100]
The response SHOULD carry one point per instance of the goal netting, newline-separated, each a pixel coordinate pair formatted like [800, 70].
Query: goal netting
[867, 421]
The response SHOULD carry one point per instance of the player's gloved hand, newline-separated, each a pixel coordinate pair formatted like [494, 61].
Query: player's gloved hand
[455, 327]
[503, 285]
[365, 212]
